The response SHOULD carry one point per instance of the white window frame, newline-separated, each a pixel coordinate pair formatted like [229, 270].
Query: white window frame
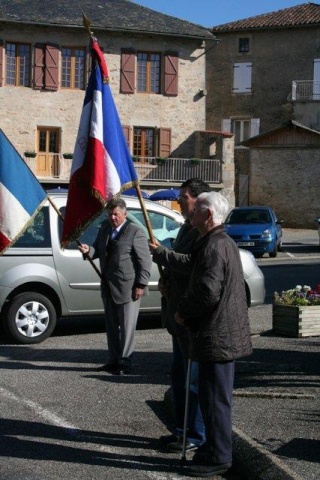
[228, 125]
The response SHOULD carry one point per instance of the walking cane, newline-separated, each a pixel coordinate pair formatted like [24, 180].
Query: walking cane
[186, 414]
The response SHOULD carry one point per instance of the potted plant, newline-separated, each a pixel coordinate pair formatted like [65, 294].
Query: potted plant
[161, 160]
[195, 161]
[296, 312]
[31, 154]
[68, 155]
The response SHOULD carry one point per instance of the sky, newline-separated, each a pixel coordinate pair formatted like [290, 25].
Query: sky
[209, 13]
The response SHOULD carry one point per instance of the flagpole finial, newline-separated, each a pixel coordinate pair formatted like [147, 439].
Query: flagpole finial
[87, 24]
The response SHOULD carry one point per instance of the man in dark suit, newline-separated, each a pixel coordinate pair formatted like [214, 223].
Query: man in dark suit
[125, 264]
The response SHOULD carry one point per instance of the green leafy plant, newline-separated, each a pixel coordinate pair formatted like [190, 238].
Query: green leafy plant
[161, 160]
[300, 295]
[195, 161]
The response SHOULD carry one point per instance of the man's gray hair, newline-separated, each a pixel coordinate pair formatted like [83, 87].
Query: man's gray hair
[216, 203]
[116, 202]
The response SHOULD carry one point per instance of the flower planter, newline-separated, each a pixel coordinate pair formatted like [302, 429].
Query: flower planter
[30, 154]
[296, 321]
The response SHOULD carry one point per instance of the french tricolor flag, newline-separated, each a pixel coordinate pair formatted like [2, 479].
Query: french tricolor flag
[21, 195]
[102, 165]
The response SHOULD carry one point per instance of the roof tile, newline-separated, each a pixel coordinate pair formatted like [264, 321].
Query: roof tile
[112, 15]
[300, 15]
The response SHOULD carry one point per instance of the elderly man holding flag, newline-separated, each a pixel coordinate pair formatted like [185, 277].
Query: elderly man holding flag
[102, 168]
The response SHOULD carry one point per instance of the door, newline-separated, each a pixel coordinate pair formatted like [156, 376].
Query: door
[47, 164]
[243, 190]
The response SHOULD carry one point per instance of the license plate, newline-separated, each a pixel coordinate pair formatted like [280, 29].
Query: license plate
[245, 244]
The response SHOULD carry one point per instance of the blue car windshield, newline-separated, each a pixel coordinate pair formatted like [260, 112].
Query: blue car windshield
[248, 216]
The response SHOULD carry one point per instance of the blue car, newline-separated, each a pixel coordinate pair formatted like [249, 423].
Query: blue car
[256, 229]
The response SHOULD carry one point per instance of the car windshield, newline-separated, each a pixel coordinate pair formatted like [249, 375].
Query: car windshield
[248, 216]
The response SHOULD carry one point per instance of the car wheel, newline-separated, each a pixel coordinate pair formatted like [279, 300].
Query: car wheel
[274, 252]
[280, 246]
[30, 318]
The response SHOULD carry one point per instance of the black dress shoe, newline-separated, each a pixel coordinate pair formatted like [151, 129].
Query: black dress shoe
[109, 367]
[208, 470]
[166, 439]
[125, 369]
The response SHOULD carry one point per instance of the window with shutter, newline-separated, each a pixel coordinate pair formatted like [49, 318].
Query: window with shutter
[51, 74]
[244, 128]
[242, 74]
[148, 72]
[73, 67]
[38, 70]
[164, 142]
[143, 143]
[1, 62]
[171, 62]
[127, 75]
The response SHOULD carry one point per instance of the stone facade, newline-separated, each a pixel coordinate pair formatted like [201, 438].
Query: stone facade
[23, 109]
[285, 172]
[278, 57]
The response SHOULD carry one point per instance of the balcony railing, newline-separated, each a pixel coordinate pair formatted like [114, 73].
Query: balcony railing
[177, 169]
[305, 90]
[149, 169]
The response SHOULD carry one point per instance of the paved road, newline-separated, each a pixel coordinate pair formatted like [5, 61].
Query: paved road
[62, 419]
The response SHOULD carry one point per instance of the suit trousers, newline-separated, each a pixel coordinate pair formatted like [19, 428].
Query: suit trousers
[215, 395]
[121, 321]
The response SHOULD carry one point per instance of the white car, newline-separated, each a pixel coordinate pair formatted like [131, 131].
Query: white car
[41, 282]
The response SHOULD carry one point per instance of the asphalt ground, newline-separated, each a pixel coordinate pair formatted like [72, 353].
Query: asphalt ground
[63, 419]
[277, 390]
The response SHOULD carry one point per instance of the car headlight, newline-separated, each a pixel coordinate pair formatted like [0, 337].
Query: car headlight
[267, 234]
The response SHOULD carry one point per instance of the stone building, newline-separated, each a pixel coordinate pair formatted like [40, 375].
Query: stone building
[285, 173]
[264, 72]
[157, 73]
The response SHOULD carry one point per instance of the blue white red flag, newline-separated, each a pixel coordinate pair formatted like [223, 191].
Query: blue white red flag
[21, 195]
[102, 165]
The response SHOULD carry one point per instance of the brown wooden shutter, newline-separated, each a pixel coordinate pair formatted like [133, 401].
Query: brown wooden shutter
[128, 66]
[126, 132]
[38, 70]
[164, 142]
[51, 73]
[171, 63]
[1, 63]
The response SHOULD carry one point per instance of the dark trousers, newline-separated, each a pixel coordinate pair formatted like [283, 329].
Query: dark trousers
[215, 394]
[195, 425]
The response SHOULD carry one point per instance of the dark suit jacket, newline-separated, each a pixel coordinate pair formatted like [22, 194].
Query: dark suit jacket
[129, 263]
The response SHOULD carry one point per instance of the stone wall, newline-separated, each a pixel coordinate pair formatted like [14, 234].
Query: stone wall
[278, 57]
[287, 179]
[23, 109]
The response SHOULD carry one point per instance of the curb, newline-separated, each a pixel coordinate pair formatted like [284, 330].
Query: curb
[255, 462]
[250, 459]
